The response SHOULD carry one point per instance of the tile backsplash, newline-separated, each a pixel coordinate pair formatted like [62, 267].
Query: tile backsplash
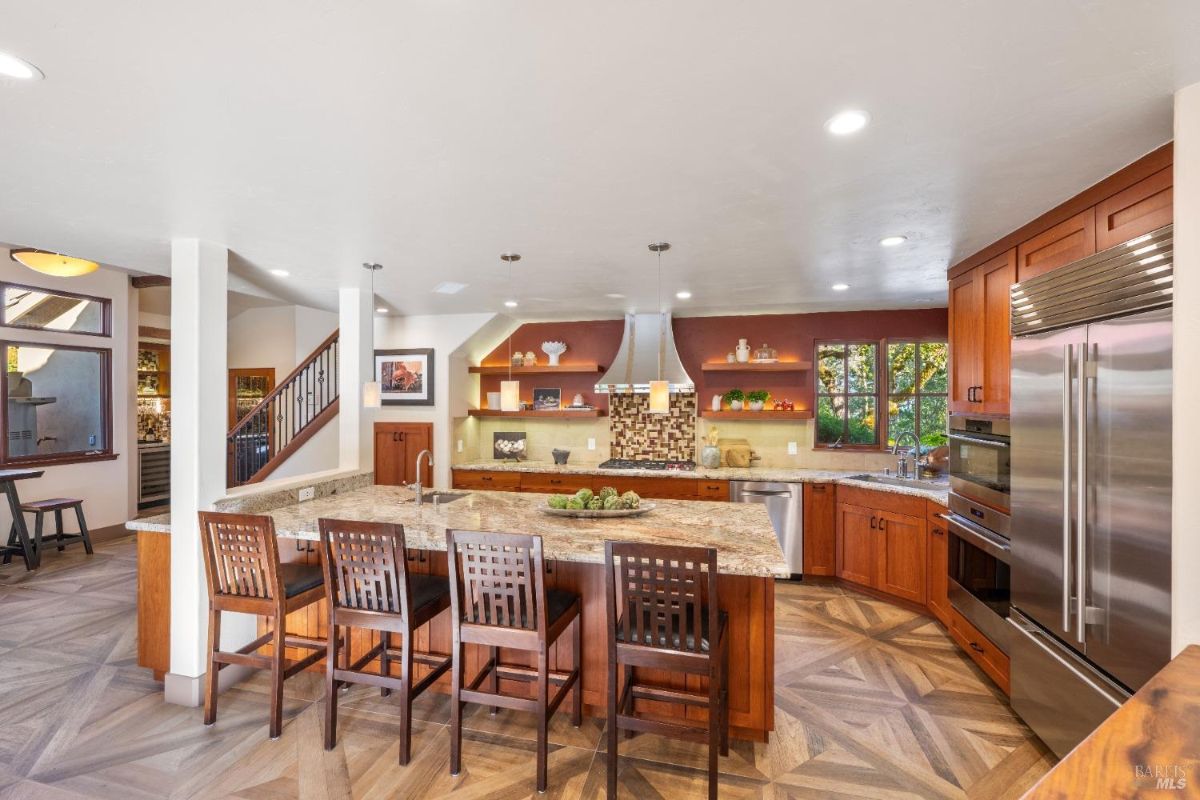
[636, 433]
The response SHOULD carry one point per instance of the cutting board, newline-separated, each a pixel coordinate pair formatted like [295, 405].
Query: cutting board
[734, 452]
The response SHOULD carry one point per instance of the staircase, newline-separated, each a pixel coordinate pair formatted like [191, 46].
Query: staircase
[297, 408]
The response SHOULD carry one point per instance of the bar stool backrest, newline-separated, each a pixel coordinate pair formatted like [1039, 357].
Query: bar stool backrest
[365, 567]
[497, 579]
[241, 556]
[656, 594]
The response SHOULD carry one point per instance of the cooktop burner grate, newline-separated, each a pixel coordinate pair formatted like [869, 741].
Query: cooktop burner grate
[632, 463]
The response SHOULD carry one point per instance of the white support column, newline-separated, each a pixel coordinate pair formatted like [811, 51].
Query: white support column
[1185, 544]
[356, 314]
[199, 274]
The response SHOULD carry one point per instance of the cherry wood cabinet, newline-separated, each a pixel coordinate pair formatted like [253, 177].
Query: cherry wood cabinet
[881, 542]
[1143, 207]
[542, 482]
[397, 445]
[990, 658]
[1057, 246]
[495, 480]
[903, 556]
[979, 338]
[569, 483]
[938, 577]
[820, 524]
[857, 544]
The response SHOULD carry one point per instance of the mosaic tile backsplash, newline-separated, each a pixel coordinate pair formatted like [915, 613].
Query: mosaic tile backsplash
[636, 433]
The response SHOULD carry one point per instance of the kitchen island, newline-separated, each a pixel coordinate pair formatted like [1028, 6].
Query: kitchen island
[749, 559]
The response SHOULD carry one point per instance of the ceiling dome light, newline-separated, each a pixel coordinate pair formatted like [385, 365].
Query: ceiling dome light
[280, 273]
[840, 287]
[510, 303]
[684, 295]
[381, 311]
[53, 263]
[19, 68]
[892, 241]
[844, 123]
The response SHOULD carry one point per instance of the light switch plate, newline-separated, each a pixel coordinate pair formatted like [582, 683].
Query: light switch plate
[460, 445]
[792, 449]
[307, 493]
[591, 443]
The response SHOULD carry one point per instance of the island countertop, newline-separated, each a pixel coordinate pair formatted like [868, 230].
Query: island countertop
[742, 533]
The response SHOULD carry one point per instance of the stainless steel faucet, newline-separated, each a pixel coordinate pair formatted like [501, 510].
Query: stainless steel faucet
[416, 485]
[902, 464]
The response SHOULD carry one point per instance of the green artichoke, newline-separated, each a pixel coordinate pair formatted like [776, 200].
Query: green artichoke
[607, 492]
[584, 495]
[595, 504]
[611, 503]
[575, 503]
[630, 499]
[557, 501]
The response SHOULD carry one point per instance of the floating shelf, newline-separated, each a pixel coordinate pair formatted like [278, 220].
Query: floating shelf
[540, 369]
[559, 414]
[758, 416]
[778, 366]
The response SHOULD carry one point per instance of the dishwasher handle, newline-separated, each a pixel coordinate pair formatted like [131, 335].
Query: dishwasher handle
[765, 493]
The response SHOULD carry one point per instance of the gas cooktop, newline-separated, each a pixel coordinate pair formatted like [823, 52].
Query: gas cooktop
[631, 463]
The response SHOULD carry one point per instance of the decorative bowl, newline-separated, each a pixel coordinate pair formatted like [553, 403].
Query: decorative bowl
[554, 350]
[584, 513]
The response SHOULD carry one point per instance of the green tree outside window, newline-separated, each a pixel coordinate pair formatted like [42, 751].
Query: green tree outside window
[847, 393]
[917, 392]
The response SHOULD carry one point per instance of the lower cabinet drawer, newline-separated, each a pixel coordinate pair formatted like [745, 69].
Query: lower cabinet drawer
[479, 479]
[554, 484]
[981, 649]
[712, 490]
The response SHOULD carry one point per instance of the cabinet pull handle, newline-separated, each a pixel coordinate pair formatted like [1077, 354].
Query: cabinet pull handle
[421, 556]
[872, 523]
[819, 488]
[975, 647]
[938, 532]
[487, 477]
[555, 481]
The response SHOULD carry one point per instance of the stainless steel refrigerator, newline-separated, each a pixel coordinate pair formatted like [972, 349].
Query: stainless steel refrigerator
[1091, 486]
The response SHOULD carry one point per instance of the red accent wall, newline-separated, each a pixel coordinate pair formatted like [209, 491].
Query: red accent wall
[701, 339]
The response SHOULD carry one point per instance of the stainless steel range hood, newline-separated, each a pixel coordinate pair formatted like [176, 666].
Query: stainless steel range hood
[648, 343]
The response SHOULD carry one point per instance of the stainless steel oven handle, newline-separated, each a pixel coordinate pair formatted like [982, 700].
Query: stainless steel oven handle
[1066, 489]
[978, 440]
[991, 543]
[1081, 526]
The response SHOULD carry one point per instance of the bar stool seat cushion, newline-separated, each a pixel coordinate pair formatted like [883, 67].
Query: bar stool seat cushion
[557, 603]
[427, 589]
[656, 636]
[299, 578]
[50, 505]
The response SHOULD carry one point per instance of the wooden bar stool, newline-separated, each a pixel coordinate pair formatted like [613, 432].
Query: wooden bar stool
[499, 599]
[658, 618]
[241, 564]
[59, 504]
[368, 585]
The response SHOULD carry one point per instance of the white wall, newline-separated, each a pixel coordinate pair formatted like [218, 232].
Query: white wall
[107, 488]
[1185, 545]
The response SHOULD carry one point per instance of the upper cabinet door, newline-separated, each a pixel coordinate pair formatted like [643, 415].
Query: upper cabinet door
[1143, 207]
[1064, 243]
[965, 342]
[995, 279]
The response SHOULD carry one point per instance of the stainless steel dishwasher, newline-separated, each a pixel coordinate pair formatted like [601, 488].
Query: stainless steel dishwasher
[785, 505]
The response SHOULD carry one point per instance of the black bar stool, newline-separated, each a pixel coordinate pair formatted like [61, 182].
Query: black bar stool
[39, 508]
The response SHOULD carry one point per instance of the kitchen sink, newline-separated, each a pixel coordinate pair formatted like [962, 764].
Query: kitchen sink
[443, 497]
[911, 483]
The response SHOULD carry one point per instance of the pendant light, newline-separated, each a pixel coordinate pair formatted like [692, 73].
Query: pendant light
[54, 264]
[510, 390]
[372, 397]
[660, 390]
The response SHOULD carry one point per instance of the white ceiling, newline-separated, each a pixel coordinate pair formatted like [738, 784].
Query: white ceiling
[431, 136]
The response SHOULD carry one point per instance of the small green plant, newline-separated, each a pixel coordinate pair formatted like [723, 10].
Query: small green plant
[758, 396]
[734, 396]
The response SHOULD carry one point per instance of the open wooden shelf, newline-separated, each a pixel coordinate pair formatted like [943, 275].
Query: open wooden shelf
[561, 413]
[778, 366]
[584, 368]
[759, 416]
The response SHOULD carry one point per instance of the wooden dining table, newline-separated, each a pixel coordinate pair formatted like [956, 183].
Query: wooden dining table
[18, 535]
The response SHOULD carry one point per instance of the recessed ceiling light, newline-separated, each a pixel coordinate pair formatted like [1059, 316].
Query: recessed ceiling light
[684, 295]
[381, 311]
[13, 67]
[280, 273]
[840, 287]
[846, 122]
[892, 241]
[615, 296]
[449, 287]
[510, 303]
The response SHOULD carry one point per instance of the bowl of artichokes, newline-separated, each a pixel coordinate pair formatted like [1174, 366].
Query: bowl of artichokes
[586, 504]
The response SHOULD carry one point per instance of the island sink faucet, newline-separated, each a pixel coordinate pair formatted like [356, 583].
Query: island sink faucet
[902, 464]
[416, 485]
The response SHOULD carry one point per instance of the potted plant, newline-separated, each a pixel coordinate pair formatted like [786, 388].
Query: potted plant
[757, 399]
[735, 397]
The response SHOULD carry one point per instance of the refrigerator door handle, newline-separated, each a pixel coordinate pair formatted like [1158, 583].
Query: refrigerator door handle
[1081, 526]
[1066, 488]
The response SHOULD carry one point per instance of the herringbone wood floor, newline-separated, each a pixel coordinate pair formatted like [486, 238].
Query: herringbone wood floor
[872, 701]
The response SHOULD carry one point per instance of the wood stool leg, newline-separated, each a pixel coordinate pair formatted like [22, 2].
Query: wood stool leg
[577, 663]
[277, 642]
[12, 542]
[385, 661]
[210, 678]
[543, 699]
[494, 680]
[58, 529]
[331, 687]
[714, 724]
[406, 698]
[37, 540]
[725, 701]
[456, 706]
[612, 728]
[83, 530]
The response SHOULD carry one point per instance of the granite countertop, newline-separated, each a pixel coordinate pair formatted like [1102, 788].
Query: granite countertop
[745, 540]
[937, 491]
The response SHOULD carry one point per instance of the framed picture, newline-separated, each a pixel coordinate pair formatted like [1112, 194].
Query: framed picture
[547, 399]
[508, 446]
[405, 376]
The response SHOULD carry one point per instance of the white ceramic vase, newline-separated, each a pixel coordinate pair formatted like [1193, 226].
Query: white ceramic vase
[756, 405]
[716, 403]
[735, 405]
[554, 350]
[743, 351]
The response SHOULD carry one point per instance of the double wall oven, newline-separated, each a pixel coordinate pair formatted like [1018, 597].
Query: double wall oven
[978, 525]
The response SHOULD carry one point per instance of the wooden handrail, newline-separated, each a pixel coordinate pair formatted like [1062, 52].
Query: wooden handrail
[282, 385]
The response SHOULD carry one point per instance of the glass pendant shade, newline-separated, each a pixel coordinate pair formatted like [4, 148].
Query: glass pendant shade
[510, 395]
[53, 263]
[660, 397]
[370, 395]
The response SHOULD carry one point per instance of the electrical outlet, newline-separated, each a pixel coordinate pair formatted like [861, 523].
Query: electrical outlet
[307, 493]
[591, 443]
[92, 440]
[460, 445]
[792, 449]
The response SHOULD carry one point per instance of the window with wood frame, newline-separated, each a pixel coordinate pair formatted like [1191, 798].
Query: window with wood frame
[917, 392]
[847, 394]
[54, 310]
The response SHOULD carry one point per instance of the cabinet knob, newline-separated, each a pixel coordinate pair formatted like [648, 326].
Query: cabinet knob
[974, 646]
